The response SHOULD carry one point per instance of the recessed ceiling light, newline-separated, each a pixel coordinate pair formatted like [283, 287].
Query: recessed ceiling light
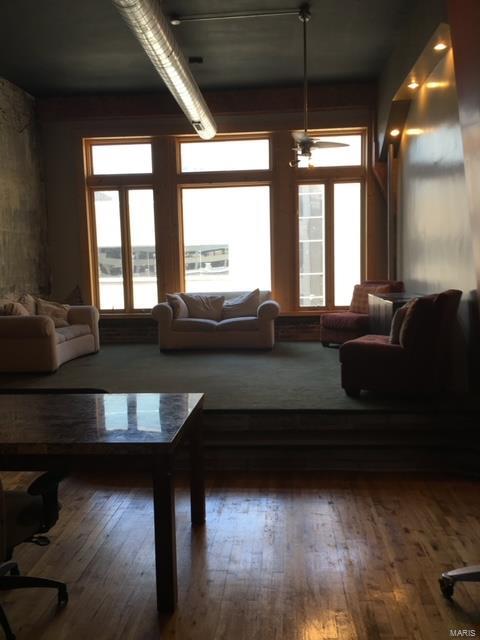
[436, 85]
[413, 84]
[414, 131]
[395, 132]
[440, 46]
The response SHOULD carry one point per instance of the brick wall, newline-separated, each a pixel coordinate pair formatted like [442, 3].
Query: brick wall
[23, 223]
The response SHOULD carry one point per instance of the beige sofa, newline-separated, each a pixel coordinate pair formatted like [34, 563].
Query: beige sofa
[247, 332]
[31, 343]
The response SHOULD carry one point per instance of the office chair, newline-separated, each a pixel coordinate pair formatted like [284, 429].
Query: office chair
[465, 574]
[24, 515]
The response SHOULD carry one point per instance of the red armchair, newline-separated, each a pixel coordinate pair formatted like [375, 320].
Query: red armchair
[346, 325]
[421, 361]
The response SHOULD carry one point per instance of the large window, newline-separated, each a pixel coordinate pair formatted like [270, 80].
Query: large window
[123, 224]
[226, 236]
[226, 227]
[330, 222]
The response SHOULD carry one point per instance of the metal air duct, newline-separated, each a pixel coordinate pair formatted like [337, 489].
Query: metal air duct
[152, 30]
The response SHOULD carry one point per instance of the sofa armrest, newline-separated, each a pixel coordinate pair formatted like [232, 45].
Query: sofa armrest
[26, 327]
[268, 310]
[86, 314]
[163, 314]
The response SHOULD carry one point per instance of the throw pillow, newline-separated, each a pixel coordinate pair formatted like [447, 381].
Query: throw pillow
[202, 306]
[57, 312]
[180, 309]
[28, 301]
[359, 302]
[397, 321]
[9, 308]
[416, 334]
[242, 306]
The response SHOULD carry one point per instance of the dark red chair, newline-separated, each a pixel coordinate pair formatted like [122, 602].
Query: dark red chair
[421, 362]
[341, 326]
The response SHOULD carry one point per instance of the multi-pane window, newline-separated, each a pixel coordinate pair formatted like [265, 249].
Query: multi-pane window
[124, 226]
[330, 223]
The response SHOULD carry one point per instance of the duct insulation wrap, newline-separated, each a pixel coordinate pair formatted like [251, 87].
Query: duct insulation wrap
[152, 29]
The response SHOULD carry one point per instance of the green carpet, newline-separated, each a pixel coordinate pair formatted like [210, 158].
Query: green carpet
[292, 376]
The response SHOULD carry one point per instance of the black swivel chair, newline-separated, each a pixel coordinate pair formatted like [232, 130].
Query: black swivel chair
[465, 574]
[23, 516]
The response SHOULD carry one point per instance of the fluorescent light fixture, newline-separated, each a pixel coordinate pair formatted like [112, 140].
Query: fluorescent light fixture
[414, 131]
[152, 30]
[440, 46]
[413, 84]
[395, 132]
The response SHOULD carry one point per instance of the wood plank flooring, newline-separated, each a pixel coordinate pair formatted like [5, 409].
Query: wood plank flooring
[299, 556]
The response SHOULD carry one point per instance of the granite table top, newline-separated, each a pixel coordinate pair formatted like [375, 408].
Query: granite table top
[78, 424]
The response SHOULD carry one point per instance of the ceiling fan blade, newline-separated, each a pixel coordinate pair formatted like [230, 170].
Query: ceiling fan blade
[323, 144]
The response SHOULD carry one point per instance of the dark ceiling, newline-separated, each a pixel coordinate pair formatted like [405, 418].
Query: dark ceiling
[65, 47]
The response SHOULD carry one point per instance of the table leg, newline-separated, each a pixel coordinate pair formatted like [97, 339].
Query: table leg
[165, 538]
[197, 474]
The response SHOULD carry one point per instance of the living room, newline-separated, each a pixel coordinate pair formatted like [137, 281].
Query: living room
[109, 200]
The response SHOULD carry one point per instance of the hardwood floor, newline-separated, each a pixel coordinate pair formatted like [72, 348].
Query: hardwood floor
[283, 556]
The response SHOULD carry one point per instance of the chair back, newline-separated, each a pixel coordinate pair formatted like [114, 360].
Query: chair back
[359, 303]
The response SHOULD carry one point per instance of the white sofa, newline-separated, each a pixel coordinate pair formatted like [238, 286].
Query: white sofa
[31, 343]
[246, 332]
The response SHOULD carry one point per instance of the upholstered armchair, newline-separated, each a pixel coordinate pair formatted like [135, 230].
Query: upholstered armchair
[417, 357]
[346, 325]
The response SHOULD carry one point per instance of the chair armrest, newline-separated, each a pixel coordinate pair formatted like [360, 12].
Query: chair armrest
[46, 486]
[86, 314]
[26, 327]
[163, 314]
[268, 310]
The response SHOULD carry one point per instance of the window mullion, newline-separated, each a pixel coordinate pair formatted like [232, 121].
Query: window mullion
[329, 245]
[126, 250]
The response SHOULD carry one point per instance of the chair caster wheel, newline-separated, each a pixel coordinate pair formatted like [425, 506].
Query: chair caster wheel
[62, 597]
[446, 587]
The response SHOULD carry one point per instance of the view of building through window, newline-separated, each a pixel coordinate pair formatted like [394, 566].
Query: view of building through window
[311, 236]
[227, 238]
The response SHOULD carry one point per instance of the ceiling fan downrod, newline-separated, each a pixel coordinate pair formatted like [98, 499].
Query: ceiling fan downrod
[304, 16]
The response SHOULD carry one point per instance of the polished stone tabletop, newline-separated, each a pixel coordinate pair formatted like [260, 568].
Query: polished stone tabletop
[94, 423]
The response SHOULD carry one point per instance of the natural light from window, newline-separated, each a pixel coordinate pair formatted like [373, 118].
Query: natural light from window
[226, 233]
[227, 155]
[311, 235]
[109, 249]
[347, 236]
[108, 159]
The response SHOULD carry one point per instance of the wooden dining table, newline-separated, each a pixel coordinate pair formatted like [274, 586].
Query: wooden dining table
[113, 432]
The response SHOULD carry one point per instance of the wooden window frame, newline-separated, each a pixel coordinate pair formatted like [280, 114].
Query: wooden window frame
[121, 183]
[329, 176]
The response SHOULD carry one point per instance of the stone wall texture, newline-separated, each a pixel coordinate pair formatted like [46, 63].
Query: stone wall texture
[23, 220]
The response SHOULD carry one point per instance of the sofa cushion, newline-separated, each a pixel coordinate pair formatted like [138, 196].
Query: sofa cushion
[73, 331]
[54, 310]
[194, 324]
[59, 338]
[245, 305]
[416, 333]
[179, 308]
[238, 324]
[10, 308]
[203, 306]
[359, 302]
[28, 301]
[346, 321]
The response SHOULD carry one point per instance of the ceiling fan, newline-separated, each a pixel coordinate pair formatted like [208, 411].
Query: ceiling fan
[304, 142]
